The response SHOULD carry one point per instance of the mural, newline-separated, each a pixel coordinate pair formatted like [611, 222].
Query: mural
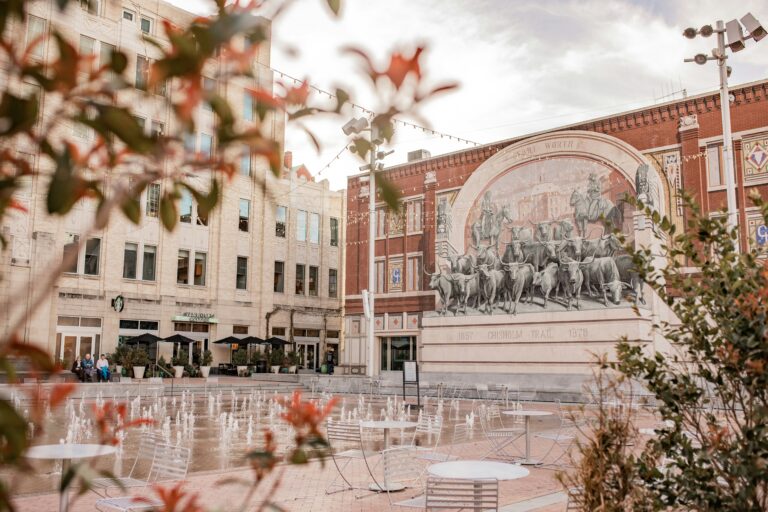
[539, 237]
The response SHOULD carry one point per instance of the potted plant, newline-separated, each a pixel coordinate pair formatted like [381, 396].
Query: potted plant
[292, 361]
[276, 357]
[119, 358]
[165, 368]
[240, 359]
[179, 361]
[205, 363]
[139, 360]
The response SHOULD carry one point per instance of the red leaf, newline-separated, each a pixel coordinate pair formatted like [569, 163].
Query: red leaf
[60, 392]
[400, 67]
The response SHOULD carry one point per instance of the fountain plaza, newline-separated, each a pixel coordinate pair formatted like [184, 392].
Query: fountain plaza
[222, 419]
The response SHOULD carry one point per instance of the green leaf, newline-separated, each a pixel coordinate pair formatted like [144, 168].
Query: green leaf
[388, 192]
[9, 9]
[342, 97]
[17, 114]
[118, 61]
[65, 188]
[169, 215]
[334, 5]
[132, 209]
[120, 122]
[13, 434]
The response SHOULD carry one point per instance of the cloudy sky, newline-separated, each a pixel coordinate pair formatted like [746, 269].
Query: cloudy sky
[522, 66]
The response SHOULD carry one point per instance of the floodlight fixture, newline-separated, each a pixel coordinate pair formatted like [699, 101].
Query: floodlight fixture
[700, 59]
[735, 36]
[690, 33]
[355, 126]
[755, 29]
[706, 30]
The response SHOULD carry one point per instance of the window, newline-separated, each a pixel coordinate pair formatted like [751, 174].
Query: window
[247, 106]
[182, 267]
[88, 47]
[301, 226]
[300, 332]
[209, 86]
[313, 333]
[200, 260]
[182, 326]
[281, 219]
[334, 232]
[414, 274]
[70, 251]
[128, 15]
[245, 161]
[279, 285]
[715, 165]
[130, 255]
[379, 277]
[146, 25]
[149, 262]
[395, 350]
[241, 282]
[153, 200]
[142, 72]
[239, 329]
[300, 279]
[129, 324]
[332, 334]
[245, 214]
[414, 216]
[190, 143]
[92, 253]
[141, 122]
[313, 284]
[278, 331]
[314, 228]
[206, 145]
[105, 53]
[381, 222]
[158, 129]
[91, 6]
[35, 29]
[185, 206]
[332, 283]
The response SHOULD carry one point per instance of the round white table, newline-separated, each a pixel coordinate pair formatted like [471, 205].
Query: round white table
[527, 415]
[65, 453]
[478, 470]
[386, 426]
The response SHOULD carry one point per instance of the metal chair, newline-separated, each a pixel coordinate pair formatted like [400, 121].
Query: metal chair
[500, 439]
[431, 427]
[347, 434]
[562, 439]
[456, 494]
[169, 463]
[401, 470]
[573, 498]
[145, 454]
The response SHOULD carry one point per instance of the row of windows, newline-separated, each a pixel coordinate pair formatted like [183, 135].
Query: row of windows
[408, 220]
[307, 226]
[392, 277]
[306, 283]
[304, 333]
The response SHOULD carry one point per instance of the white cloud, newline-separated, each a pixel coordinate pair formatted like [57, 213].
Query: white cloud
[523, 66]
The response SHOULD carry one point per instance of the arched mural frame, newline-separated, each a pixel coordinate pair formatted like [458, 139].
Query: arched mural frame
[610, 151]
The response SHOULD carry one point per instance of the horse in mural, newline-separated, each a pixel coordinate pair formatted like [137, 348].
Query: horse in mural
[602, 209]
[492, 230]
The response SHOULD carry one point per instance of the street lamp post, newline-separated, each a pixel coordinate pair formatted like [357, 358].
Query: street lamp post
[356, 126]
[736, 40]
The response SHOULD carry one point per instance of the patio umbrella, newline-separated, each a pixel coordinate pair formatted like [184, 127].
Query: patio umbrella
[147, 338]
[276, 342]
[181, 340]
[229, 340]
[252, 340]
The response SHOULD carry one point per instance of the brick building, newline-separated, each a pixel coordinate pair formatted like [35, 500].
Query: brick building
[681, 139]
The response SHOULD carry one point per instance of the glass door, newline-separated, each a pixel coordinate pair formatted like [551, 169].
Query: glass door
[69, 349]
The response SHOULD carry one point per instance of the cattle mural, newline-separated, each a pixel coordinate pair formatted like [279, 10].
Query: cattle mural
[539, 238]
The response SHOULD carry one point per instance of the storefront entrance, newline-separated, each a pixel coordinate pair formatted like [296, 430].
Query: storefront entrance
[308, 355]
[76, 336]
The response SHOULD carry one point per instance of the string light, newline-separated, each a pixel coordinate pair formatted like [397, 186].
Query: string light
[371, 112]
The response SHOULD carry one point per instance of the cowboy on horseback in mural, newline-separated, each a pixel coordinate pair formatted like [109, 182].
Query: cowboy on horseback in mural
[594, 207]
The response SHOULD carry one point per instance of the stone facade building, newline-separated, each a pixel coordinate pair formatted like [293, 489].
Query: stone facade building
[208, 279]
[679, 145]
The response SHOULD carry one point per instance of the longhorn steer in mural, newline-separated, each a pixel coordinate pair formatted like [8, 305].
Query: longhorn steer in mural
[546, 280]
[444, 286]
[606, 274]
[518, 278]
[571, 278]
[491, 287]
[462, 264]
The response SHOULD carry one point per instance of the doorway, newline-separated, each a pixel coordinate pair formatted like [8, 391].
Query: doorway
[308, 355]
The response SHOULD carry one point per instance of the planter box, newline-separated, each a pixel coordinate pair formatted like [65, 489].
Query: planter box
[138, 372]
[205, 371]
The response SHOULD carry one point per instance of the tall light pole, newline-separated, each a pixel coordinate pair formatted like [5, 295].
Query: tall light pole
[357, 126]
[736, 40]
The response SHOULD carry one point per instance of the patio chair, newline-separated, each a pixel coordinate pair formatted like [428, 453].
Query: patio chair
[573, 495]
[401, 470]
[456, 494]
[145, 455]
[169, 463]
[500, 439]
[563, 438]
[348, 434]
[430, 428]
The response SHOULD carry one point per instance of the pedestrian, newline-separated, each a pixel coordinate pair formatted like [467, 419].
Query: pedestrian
[102, 368]
[77, 369]
[87, 366]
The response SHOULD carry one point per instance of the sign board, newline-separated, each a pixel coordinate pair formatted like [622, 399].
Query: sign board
[410, 373]
[762, 234]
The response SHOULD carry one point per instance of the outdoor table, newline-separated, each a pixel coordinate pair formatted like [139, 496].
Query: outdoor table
[386, 426]
[478, 470]
[527, 414]
[65, 453]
